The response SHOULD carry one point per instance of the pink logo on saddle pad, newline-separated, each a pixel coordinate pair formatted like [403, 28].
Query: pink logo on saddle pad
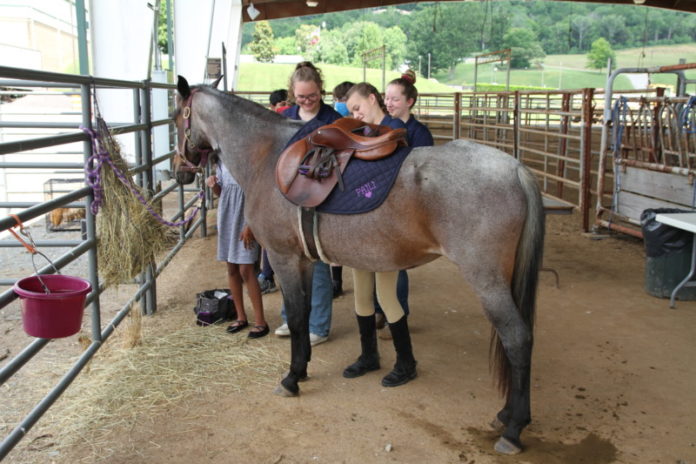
[365, 190]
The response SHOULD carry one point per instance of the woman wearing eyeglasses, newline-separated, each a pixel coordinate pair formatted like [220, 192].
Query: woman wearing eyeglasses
[305, 89]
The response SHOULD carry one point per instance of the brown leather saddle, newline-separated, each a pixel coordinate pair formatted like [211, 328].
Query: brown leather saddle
[309, 169]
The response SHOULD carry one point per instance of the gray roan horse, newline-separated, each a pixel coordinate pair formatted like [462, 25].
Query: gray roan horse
[475, 205]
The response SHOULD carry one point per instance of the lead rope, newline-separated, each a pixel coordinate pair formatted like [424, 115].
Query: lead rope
[93, 166]
[620, 111]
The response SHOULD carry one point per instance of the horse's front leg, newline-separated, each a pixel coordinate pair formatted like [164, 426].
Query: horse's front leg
[295, 277]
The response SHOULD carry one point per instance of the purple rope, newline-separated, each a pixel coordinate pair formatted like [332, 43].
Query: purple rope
[93, 166]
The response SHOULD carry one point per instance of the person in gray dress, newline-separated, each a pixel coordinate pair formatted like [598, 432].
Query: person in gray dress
[237, 247]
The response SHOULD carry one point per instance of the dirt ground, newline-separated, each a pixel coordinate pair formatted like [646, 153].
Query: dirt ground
[613, 377]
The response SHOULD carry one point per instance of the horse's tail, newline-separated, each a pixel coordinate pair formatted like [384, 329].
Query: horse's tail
[525, 275]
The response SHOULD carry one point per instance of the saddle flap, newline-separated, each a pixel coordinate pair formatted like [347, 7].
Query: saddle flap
[310, 193]
[289, 163]
[328, 148]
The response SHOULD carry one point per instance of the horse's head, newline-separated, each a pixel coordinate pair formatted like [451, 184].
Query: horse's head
[192, 148]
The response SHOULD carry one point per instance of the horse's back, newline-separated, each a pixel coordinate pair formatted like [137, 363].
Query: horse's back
[464, 172]
[447, 200]
[470, 196]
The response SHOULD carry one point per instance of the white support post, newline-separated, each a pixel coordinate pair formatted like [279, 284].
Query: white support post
[234, 42]
[194, 31]
[119, 31]
[191, 29]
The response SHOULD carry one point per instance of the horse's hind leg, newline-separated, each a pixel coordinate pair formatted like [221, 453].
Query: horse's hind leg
[295, 277]
[514, 365]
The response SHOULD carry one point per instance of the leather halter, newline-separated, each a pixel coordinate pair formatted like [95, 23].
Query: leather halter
[186, 141]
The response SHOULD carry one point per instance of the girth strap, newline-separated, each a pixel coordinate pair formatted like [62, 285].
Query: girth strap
[306, 217]
[309, 234]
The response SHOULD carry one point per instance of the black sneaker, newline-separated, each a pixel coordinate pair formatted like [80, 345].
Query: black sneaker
[267, 286]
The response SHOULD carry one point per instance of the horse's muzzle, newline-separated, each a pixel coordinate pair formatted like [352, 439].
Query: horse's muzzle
[185, 177]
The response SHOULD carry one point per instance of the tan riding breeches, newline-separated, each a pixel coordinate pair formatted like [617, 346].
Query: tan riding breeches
[364, 283]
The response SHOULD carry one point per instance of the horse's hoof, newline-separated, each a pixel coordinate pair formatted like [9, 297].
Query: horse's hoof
[497, 425]
[284, 392]
[505, 446]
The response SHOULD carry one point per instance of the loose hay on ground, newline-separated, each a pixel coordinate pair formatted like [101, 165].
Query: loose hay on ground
[129, 386]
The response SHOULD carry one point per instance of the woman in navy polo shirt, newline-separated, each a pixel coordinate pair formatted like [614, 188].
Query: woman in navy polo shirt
[365, 103]
[400, 97]
[305, 89]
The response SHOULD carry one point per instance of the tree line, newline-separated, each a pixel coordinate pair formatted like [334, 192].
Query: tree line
[450, 32]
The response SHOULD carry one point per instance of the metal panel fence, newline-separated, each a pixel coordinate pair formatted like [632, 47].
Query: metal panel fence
[555, 133]
[143, 170]
[650, 160]
[549, 131]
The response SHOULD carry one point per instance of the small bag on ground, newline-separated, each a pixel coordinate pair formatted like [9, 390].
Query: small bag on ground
[214, 306]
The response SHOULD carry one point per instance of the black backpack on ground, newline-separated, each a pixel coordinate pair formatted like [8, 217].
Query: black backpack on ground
[214, 306]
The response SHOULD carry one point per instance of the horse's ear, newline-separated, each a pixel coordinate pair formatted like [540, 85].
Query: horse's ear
[216, 82]
[182, 86]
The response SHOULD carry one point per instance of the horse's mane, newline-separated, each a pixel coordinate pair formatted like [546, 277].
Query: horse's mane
[246, 106]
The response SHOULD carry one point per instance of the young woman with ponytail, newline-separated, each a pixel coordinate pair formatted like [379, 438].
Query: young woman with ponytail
[400, 97]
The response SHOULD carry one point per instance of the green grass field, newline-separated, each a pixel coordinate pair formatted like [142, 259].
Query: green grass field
[264, 76]
[551, 77]
[569, 72]
[560, 71]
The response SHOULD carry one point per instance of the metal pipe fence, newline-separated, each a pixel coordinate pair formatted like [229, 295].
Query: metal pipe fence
[36, 83]
[649, 160]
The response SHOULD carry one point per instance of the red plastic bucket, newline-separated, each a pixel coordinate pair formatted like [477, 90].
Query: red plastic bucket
[56, 314]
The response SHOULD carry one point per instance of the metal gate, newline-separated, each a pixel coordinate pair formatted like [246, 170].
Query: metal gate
[18, 82]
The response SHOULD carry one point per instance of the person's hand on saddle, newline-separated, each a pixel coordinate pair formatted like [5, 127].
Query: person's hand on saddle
[247, 236]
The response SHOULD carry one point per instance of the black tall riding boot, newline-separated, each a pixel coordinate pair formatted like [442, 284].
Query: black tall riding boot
[405, 367]
[337, 280]
[369, 359]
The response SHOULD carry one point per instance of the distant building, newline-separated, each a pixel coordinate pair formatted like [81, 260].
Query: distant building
[38, 34]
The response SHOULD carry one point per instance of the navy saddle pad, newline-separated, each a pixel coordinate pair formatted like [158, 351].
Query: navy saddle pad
[367, 184]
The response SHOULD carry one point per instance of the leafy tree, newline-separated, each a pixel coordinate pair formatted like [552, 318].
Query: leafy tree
[162, 27]
[262, 46]
[361, 36]
[285, 46]
[524, 45]
[448, 32]
[500, 22]
[395, 40]
[600, 52]
[580, 24]
[332, 48]
[612, 27]
[554, 39]
[307, 39]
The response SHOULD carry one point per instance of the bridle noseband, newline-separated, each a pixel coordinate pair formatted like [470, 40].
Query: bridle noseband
[186, 141]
